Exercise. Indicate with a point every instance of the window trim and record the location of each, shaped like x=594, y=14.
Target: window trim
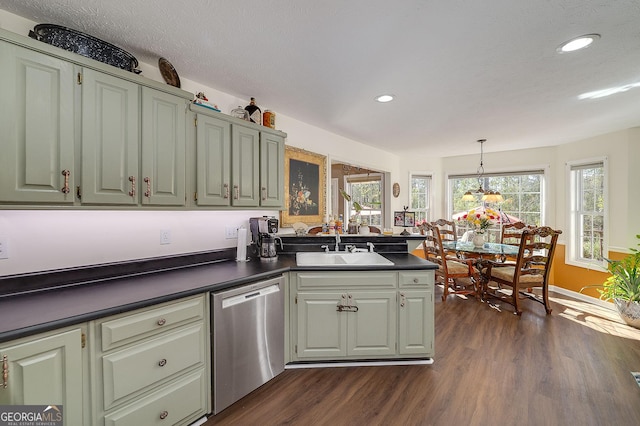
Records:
x=571, y=219
x=362, y=178
x=543, y=169
x=426, y=175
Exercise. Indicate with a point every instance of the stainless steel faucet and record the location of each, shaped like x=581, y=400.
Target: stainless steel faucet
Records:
x=337, y=242
x=371, y=246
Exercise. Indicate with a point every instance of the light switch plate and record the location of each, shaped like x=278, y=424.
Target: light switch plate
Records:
x=165, y=236
x=4, y=248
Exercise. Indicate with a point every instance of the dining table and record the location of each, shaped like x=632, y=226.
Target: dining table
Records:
x=488, y=252
x=491, y=251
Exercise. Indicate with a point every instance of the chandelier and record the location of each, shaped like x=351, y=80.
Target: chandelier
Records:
x=488, y=195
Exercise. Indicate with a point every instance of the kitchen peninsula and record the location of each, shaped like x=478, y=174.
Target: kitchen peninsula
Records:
x=102, y=328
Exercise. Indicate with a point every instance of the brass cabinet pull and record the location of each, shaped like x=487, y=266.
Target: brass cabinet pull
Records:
x=226, y=190
x=147, y=180
x=402, y=300
x=162, y=362
x=5, y=371
x=346, y=308
x=132, y=179
x=264, y=193
x=237, y=191
x=65, y=189
x=164, y=415
x=161, y=321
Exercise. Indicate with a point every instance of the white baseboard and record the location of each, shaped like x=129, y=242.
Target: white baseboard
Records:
x=583, y=297
x=427, y=361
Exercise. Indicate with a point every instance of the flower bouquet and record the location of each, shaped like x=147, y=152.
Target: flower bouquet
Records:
x=480, y=220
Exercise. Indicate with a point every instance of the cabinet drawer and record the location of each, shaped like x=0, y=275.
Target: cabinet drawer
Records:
x=332, y=280
x=415, y=279
x=179, y=402
x=136, y=367
x=133, y=326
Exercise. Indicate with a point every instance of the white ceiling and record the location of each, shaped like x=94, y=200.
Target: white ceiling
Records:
x=461, y=69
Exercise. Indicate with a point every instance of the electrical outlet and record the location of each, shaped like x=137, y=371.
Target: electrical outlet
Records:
x=231, y=232
x=4, y=248
x=165, y=236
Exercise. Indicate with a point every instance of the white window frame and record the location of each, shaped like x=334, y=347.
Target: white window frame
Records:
x=364, y=178
x=574, y=248
x=535, y=168
x=429, y=177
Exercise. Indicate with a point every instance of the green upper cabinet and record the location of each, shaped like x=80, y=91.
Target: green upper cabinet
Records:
x=79, y=133
x=110, y=139
x=37, y=122
x=163, y=148
x=271, y=170
x=245, y=166
x=213, y=161
x=237, y=165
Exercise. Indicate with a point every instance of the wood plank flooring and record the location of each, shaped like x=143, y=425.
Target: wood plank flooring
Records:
x=491, y=368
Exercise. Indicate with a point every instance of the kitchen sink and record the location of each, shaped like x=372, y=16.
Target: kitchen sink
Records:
x=337, y=259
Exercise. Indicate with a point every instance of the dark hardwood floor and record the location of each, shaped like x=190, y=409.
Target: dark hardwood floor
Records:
x=491, y=368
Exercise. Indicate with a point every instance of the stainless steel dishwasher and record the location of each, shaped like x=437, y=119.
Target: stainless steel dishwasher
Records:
x=247, y=339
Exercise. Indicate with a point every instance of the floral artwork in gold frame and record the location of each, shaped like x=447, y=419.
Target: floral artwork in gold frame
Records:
x=305, y=184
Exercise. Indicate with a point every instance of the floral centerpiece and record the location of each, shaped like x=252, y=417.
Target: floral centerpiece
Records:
x=481, y=220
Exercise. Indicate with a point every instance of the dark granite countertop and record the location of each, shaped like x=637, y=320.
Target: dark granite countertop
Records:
x=47, y=309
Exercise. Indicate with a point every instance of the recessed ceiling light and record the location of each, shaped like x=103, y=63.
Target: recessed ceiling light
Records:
x=608, y=92
x=577, y=43
x=385, y=98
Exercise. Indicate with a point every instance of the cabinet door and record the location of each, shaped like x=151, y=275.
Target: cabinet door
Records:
x=245, y=166
x=322, y=330
x=163, y=148
x=110, y=139
x=372, y=329
x=416, y=322
x=271, y=170
x=46, y=371
x=213, y=163
x=36, y=118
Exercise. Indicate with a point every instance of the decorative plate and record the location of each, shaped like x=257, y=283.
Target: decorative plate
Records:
x=396, y=189
x=168, y=72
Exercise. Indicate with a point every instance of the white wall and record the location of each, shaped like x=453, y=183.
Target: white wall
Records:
x=622, y=150
x=44, y=239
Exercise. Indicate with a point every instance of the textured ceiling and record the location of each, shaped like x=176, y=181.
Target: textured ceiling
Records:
x=461, y=69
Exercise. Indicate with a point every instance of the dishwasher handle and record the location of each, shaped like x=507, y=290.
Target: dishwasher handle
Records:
x=249, y=296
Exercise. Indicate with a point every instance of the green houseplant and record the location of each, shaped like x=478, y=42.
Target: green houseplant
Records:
x=623, y=286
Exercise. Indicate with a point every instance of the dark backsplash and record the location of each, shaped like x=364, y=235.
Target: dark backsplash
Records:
x=382, y=243
x=68, y=277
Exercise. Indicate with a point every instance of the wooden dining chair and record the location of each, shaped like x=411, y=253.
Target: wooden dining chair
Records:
x=447, y=229
x=457, y=276
x=512, y=234
x=530, y=271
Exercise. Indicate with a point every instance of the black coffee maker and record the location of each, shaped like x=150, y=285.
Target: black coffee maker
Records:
x=262, y=235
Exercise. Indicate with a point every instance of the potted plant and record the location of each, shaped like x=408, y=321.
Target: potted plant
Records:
x=623, y=286
x=355, y=219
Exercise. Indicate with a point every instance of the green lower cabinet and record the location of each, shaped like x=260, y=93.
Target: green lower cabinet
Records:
x=361, y=315
x=178, y=404
x=151, y=366
x=46, y=369
x=322, y=330
x=371, y=330
x=416, y=322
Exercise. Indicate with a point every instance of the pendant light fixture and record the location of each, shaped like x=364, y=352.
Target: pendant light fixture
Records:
x=488, y=195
